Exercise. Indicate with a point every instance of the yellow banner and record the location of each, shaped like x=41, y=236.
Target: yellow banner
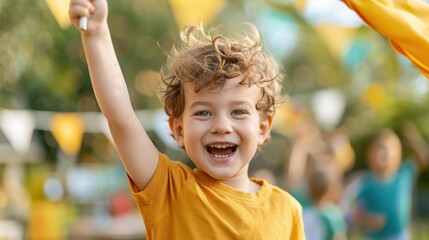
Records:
x=336, y=38
x=374, y=95
x=67, y=129
x=300, y=4
x=196, y=11
x=60, y=10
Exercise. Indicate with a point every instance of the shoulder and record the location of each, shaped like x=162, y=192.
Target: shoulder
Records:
x=281, y=196
x=356, y=179
x=167, y=164
x=408, y=167
x=314, y=225
x=166, y=172
x=409, y=164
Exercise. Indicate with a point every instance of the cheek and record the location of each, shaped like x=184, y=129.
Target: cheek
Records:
x=251, y=132
x=193, y=130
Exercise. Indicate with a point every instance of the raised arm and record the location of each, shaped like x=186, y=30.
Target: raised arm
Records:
x=137, y=152
x=304, y=141
x=417, y=143
x=404, y=22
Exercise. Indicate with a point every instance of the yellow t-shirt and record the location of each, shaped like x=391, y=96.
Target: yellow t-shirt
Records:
x=404, y=22
x=181, y=203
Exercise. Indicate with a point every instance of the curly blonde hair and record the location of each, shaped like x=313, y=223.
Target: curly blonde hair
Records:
x=209, y=60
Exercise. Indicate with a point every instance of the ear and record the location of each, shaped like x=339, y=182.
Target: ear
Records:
x=265, y=128
x=176, y=129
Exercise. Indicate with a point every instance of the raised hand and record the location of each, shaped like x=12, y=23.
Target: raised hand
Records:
x=94, y=10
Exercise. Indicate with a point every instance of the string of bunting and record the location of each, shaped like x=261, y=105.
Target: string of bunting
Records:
x=68, y=128
x=184, y=11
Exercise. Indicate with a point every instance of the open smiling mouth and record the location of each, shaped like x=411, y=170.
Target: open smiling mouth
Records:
x=221, y=150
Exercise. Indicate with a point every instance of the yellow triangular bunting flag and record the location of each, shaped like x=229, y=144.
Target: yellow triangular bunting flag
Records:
x=337, y=38
x=195, y=11
x=60, y=10
x=68, y=129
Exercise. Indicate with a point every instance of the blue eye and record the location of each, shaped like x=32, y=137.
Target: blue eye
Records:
x=203, y=114
x=239, y=112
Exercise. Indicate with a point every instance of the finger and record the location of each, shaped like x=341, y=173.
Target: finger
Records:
x=87, y=3
x=76, y=12
x=84, y=7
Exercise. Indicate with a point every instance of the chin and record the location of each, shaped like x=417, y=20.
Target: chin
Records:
x=220, y=175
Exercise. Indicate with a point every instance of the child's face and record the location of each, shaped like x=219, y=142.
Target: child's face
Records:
x=385, y=156
x=221, y=130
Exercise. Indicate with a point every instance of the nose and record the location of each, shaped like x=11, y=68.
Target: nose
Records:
x=221, y=124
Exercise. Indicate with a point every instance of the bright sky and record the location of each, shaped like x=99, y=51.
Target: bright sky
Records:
x=331, y=11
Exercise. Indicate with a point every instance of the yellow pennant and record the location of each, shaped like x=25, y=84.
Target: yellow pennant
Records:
x=300, y=4
x=60, y=10
x=342, y=149
x=289, y=118
x=68, y=129
x=336, y=38
x=374, y=95
x=196, y=11
x=47, y=220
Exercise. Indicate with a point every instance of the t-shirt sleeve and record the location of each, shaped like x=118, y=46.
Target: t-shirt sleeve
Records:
x=313, y=224
x=334, y=221
x=409, y=168
x=298, y=229
x=163, y=190
x=405, y=23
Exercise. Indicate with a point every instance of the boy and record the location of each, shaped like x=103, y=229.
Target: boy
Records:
x=220, y=95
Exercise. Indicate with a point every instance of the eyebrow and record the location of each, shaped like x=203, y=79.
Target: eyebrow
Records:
x=233, y=103
x=199, y=103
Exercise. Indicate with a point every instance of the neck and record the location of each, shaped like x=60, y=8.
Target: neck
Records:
x=383, y=176
x=242, y=183
x=323, y=202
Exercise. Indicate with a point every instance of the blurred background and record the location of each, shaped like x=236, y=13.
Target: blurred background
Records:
x=60, y=177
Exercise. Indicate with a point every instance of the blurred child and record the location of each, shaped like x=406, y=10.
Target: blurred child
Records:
x=311, y=141
x=220, y=94
x=306, y=139
x=323, y=219
x=384, y=193
x=317, y=163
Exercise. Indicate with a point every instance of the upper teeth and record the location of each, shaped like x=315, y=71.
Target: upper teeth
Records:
x=221, y=145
